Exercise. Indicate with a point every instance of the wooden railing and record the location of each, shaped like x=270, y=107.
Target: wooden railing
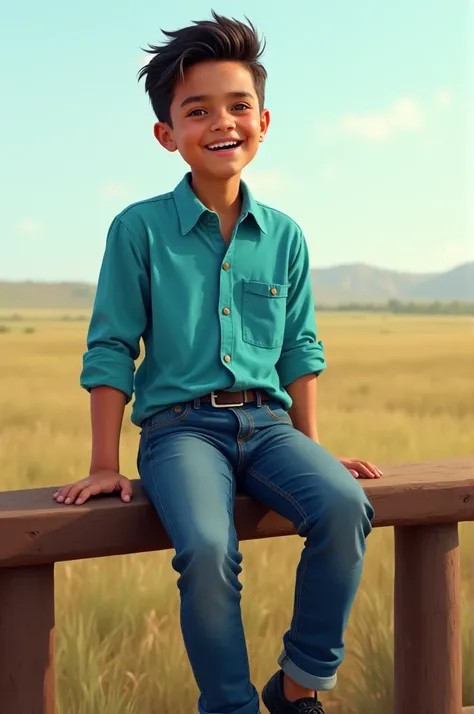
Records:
x=423, y=501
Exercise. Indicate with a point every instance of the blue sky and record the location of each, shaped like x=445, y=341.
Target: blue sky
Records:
x=367, y=147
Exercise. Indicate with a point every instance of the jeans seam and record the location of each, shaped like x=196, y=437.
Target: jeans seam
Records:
x=290, y=499
x=241, y=455
x=296, y=616
x=237, y=415
x=240, y=439
x=252, y=426
x=157, y=490
x=277, y=489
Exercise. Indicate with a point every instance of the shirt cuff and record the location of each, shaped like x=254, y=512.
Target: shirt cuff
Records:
x=103, y=367
x=297, y=362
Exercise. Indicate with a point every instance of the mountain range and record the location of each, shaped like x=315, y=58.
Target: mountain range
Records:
x=364, y=283
x=355, y=283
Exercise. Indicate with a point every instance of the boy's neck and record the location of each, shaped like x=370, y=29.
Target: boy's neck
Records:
x=222, y=197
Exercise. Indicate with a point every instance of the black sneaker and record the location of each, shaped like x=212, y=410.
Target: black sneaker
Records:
x=276, y=702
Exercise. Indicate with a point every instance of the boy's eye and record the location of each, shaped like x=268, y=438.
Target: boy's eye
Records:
x=240, y=107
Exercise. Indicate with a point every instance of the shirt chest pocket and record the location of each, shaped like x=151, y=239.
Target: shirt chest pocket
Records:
x=264, y=314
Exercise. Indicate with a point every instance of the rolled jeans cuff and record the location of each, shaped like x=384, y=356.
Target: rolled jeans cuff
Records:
x=309, y=681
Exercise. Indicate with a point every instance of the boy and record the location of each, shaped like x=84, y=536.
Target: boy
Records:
x=218, y=287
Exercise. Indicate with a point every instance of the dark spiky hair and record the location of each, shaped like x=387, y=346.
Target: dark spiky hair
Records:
x=217, y=39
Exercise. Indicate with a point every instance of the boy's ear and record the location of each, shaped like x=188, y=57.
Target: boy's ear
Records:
x=164, y=135
x=264, y=123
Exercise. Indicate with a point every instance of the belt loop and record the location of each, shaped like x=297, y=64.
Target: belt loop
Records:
x=259, y=398
x=197, y=403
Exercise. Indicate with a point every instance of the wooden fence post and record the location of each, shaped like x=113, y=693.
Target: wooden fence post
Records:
x=27, y=640
x=428, y=668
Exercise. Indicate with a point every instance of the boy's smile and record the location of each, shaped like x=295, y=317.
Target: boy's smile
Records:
x=226, y=147
x=217, y=123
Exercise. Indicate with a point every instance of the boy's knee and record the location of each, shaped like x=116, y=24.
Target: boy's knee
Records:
x=209, y=567
x=208, y=558
x=346, y=509
x=342, y=525
x=354, y=503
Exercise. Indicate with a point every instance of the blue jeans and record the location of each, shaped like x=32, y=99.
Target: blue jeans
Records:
x=192, y=459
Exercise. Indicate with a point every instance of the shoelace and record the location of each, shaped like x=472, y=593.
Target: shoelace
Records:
x=310, y=706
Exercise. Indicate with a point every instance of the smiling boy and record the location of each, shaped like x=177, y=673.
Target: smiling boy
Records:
x=217, y=285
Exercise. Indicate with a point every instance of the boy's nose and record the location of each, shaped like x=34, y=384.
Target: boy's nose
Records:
x=223, y=122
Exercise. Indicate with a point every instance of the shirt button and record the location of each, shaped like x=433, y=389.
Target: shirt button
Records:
x=274, y=291
x=227, y=358
x=226, y=311
x=226, y=266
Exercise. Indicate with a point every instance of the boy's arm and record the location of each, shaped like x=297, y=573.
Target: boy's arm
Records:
x=118, y=321
x=302, y=358
x=302, y=355
x=303, y=415
x=107, y=409
x=303, y=412
x=120, y=313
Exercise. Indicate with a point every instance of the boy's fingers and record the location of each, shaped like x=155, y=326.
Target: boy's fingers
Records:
x=81, y=491
x=126, y=489
x=364, y=471
x=361, y=469
x=61, y=493
x=92, y=489
x=376, y=473
x=83, y=495
x=74, y=492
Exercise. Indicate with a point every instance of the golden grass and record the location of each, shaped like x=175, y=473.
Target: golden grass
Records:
x=397, y=389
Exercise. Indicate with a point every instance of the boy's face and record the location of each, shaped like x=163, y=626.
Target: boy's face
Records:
x=215, y=103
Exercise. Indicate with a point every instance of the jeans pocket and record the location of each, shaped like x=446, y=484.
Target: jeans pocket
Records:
x=264, y=314
x=278, y=414
x=168, y=416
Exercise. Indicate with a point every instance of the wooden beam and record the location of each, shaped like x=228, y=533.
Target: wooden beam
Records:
x=428, y=671
x=35, y=530
x=27, y=640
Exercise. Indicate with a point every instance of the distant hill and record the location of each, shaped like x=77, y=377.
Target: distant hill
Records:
x=340, y=284
x=44, y=296
x=364, y=283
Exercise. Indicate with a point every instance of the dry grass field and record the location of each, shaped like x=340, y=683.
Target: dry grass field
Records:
x=396, y=389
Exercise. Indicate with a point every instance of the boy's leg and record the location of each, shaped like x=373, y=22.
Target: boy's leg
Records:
x=298, y=479
x=192, y=487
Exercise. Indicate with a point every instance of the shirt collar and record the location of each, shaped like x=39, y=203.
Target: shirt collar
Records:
x=190, y=208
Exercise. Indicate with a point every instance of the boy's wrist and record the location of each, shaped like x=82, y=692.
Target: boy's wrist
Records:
x=104, y=465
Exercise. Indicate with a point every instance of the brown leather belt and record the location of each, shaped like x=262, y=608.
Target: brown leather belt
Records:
x=235, y=399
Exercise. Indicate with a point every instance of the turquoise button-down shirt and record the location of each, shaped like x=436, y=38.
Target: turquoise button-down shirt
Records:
x=211, y=315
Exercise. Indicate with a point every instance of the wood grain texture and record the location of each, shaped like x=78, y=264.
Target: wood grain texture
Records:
x=35, y=530
x=428, y=668
x=27, y=640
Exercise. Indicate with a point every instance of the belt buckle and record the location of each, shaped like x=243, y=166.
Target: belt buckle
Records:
x=225, y=406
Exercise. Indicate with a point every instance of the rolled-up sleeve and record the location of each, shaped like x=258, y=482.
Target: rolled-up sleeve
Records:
x=119, y=316
x=302, y=353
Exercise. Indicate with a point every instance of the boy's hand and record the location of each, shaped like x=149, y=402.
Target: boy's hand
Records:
x=361, y=469
x=97, y=482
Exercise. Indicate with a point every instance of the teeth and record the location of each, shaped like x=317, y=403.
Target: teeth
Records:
x=224, y=145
